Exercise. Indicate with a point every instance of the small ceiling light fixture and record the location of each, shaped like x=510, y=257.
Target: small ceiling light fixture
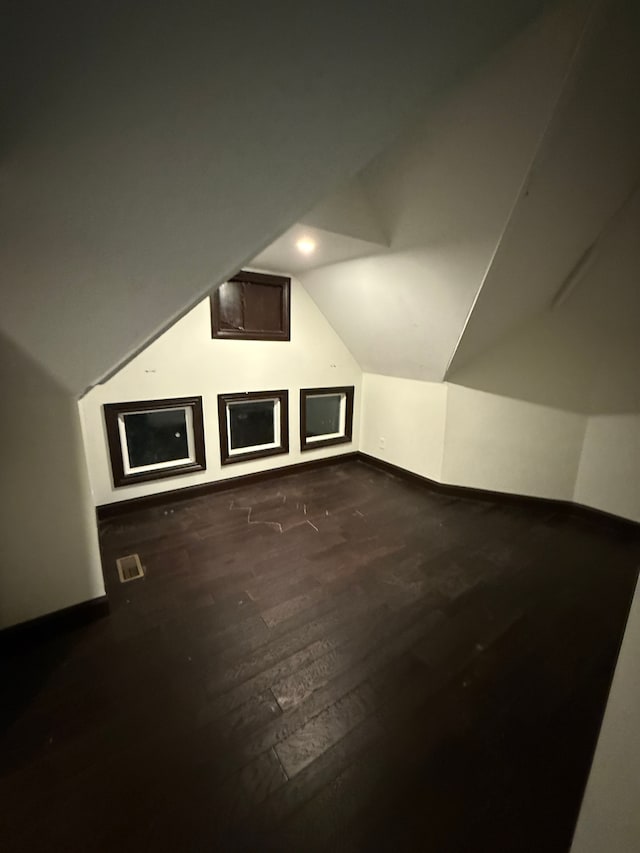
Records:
x=306, y=245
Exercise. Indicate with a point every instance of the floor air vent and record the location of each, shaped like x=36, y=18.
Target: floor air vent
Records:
x=129, y=568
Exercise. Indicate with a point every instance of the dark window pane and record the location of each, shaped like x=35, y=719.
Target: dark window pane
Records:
x=251, y=423
x=154, y=437
x=323, y=415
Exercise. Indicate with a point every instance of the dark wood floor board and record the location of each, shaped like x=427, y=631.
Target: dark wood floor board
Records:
x=298, y=669
x=295, y=687
x=207, y=640
x=218, y=536
x=63, y=774
x=255, y=712
x=370, y=674
x=337, y=659
x=222, y=703
x=231, y=581
x=352, y=598
x=333, y=630
x=375, y=644
x=268, y=594
x=154, y=541
x=321, y=823
x=286, y=610
x=416, y=765
x=325, y=729
x=312, y=778
x=211, y=560
x=215, y=804
x=311, y=667
x=283, y=556
x=348, y=559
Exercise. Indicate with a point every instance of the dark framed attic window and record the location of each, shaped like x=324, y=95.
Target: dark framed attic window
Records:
x=326, y=416
x=252, y=307
x=152, y=439
x=252, y=425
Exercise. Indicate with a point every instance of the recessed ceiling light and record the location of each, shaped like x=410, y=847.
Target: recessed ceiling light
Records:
x=306, y=245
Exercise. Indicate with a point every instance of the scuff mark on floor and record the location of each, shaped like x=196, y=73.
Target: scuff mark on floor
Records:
x=275, y=525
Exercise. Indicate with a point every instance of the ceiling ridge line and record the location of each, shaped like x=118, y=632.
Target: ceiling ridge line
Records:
x=578, y=270
x=589, y=28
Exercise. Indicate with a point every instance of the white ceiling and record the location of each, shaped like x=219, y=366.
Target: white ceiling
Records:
x=343, y=226
x=330, y=248
x=584, y=353
x=151, y=151
x=482, y=211
x=349, y=211
x=444, y=193
x=588, y=164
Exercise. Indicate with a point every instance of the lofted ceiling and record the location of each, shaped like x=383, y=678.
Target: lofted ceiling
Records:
x=583, y=354
x=342, y=226
x=443, y=194
x=150, y=150
x=509, y=215
x=577, y=188
x=330, y=247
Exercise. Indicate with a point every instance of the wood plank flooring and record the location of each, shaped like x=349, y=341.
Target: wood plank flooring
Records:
x=334, y=660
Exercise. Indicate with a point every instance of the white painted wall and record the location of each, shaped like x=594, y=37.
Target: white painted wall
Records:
x=583, y=356
x=609, y=475
x=403, y=422
x=185, y=361
x=467, y=437
x=49, y=557
x=609, y=817
x=508, y=445
x=444, y=193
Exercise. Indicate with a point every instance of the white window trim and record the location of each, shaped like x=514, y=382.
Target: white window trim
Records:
x=157, y=466
x=238, y=451
x=343, y=418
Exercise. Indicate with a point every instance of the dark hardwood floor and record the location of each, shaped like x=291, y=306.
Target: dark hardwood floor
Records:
x=334, y=660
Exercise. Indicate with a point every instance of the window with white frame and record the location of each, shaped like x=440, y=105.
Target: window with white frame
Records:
x=150, y=439
x=326, y=416
x=253, y=424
